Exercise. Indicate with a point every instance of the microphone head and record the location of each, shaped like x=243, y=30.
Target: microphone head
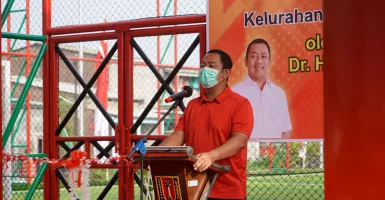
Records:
x=188, y=90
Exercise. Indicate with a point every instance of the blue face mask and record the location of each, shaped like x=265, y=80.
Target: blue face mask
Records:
x=208, y=77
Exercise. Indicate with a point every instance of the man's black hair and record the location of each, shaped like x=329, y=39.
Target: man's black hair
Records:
x=226, y=61
x=258, y=41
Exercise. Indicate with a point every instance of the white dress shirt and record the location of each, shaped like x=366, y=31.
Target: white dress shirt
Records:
x=270, y=109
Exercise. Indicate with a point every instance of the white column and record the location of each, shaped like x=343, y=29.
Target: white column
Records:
x=80, y=110
x=6, y=115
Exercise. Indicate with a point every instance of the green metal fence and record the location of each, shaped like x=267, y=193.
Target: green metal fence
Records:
x=20, y=178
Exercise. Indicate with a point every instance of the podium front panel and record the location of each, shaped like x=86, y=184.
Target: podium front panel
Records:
x=173, y=175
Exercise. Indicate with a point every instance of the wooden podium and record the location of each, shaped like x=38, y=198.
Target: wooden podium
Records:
x=173, y=175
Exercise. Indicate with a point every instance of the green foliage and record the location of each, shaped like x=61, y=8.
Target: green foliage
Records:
x=23, y=186
x=64, y=107
x=101, y=177
x=262, y=163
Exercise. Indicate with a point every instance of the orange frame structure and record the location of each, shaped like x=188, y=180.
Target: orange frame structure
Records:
x=123, y=32
x=358, y=123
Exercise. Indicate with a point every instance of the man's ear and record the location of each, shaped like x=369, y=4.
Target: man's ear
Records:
x=245, y=62
x=227, y=72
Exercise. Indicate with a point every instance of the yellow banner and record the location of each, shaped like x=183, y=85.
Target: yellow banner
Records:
x=287, y=51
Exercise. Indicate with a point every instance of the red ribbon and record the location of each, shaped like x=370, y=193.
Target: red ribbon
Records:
x=79, y=178
x=6, y=157
x=22, y=157
x=73, y=161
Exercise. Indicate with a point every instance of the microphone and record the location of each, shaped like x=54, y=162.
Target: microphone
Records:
x=186, y=92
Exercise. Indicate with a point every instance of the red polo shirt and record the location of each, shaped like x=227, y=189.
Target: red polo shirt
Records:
x=209, y=124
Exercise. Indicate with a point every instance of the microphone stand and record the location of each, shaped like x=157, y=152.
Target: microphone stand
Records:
x=141, y=148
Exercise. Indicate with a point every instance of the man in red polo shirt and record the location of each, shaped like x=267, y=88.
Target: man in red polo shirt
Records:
x=217, y=125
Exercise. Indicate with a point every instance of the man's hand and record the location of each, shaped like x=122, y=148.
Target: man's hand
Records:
x=237, y=142
x=204, y=161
